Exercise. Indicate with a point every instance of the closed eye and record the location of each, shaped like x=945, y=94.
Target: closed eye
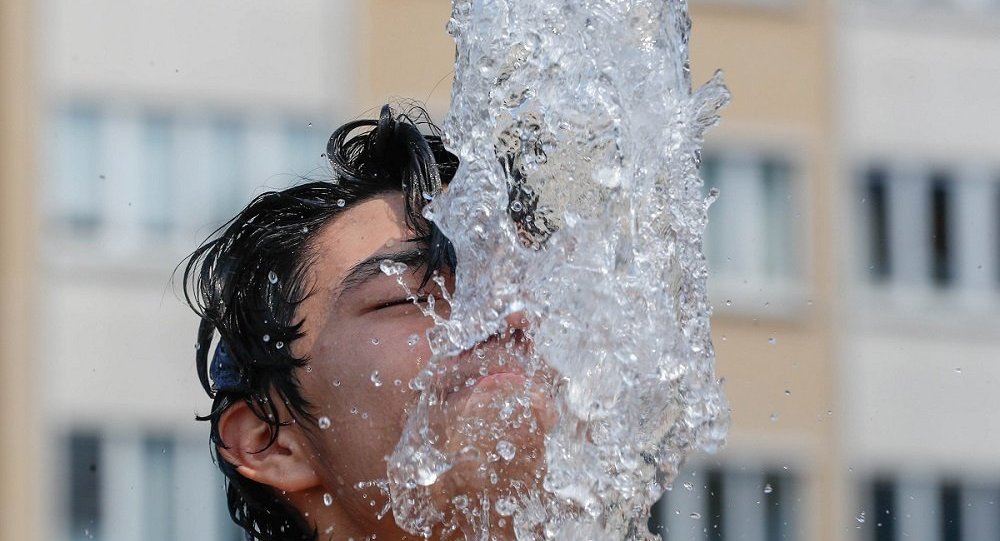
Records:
x=403, y=302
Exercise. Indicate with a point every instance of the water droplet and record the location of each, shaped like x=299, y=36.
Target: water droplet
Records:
x=958, y=370
x=772, y=340
x=695, y=516
x=279, y=344
x=266, y=338
x=506, y=449
x=860, y=518
x=197, y=346
x=374, y=340
x=376, y=379
x=413, y=340
x=341, y=202
x=324, y=422
x=516, y=206
x=354, y=410
x=774, y=417
x=768, y=488
x=336, y=383
x=327, y=499
x=309, y=125
x=461, y=501
x=689, y=485
x=272, y=277
x=729, y=302
x=788, y=393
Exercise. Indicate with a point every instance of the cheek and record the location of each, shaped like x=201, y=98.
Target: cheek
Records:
x=365, y=372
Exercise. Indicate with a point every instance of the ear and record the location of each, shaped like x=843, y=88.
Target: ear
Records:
x=283, y=465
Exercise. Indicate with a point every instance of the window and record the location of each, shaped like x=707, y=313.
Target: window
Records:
x=306, y=144
x=941, y=216
x=930, y=228
x=158, y=178
x=228, y=174
x=78, y=188
x=723, y=504
x=944, y=509
x=159, y=487
x=750, y=235
x=878, y=229
x=84, y=487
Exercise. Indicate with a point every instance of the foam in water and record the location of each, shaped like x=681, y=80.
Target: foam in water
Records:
x=575, y=371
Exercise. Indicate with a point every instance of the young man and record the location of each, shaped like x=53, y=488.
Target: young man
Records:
x=316, y=345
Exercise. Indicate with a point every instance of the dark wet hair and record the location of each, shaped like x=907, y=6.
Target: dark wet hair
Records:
x=247, y=279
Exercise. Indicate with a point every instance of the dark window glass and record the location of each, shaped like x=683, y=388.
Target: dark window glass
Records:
x=85, y=486
x=877, y=214
x=160, y=488
x=951, y=512
x=884, y=510
x=941, y=246
x=714, y=488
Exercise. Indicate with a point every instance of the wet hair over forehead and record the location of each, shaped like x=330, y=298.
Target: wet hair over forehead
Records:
x=247, y=280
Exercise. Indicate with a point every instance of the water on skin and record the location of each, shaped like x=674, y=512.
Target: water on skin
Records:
x=577, y=203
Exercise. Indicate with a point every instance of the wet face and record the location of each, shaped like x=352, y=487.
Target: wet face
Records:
x=365, y=341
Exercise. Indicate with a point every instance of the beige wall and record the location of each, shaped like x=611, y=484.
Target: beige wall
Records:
x=19, y=488
x=778, y=64
x=408, y=54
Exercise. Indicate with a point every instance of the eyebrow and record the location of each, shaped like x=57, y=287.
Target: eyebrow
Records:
x=372, y=267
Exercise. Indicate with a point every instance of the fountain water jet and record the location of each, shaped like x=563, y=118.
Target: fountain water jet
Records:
x=578, y=212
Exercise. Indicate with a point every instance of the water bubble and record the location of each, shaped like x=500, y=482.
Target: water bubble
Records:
x=768, y=488
x=688, y=485
x=461, y=501
x=774, y=417
x=376, y=379
x=860, y=518
x=392, y=268
x=341, y=202
x=279, y=344
x=516, y=206
x=505, y=507
x=272, y=277
x=327, y=499
x=336, y=383
x=695, y=515
x=374, y=340
x=266, y=338
x=413, y=340
x=958, y=370
x=506, y=449
x=772, y=340
x=324, y=422
x=354, y=410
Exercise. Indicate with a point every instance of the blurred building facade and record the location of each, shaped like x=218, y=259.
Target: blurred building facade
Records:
x=921, y=196
x=160, y=121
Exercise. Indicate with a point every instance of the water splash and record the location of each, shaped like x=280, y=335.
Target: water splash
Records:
x=576, y=370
